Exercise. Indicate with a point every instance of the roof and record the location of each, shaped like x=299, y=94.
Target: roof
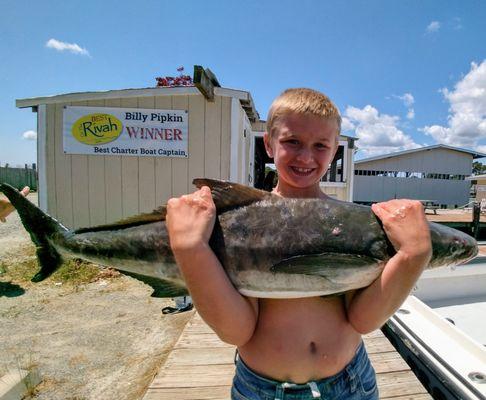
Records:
x=475, y=177
x=475, y=154
x=244, y=97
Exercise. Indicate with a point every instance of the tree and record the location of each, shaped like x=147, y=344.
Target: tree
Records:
x=478, y=168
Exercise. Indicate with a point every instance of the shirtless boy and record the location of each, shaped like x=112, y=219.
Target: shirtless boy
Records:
x=309, y=347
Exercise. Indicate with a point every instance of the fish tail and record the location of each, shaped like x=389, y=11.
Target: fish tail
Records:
x=41, y=228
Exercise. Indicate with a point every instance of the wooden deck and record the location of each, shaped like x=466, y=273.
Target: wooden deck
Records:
x=201, y=367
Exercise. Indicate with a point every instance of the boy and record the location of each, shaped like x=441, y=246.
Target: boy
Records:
x=308, y=347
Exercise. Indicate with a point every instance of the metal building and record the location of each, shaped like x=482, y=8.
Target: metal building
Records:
x=436, y=174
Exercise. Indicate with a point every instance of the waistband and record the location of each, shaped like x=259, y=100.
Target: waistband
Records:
x=333, y=384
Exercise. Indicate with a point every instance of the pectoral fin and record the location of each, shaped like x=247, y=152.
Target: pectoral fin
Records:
x=325, y=264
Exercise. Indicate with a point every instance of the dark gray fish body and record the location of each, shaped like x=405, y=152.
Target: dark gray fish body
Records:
x=269, y=246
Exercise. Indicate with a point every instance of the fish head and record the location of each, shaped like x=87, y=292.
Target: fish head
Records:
x=451, y=246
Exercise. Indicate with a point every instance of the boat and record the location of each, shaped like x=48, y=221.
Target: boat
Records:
x=440, y=330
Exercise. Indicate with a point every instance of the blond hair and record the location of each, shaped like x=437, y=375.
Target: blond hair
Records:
x=302, y=101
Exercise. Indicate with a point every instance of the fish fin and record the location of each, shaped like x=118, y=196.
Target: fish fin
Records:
x=161, y=287
x=41, y=228
x=229, y=195
x=157, y=215
x=322, y=264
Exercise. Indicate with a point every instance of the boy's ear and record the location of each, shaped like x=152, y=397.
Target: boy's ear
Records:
x=268, y=145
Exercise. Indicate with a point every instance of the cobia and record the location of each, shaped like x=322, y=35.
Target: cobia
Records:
x=269, y=246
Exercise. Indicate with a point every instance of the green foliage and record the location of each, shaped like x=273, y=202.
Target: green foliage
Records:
x=478, y=168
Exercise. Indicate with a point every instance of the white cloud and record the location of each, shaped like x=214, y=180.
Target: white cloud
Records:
x=347, y=125
x=378, y=133
x=30, y=135
x=63, y=46
x=434, y=26
x=466, y=123
x=408, y=101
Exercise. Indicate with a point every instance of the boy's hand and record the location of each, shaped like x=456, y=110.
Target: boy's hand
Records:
x=190, y=219
x=6, y=208
x=407, y=229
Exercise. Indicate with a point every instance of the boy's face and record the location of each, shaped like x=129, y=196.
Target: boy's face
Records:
x=302, y=147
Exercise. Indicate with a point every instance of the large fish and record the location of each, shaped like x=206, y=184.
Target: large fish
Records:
x=270, y=246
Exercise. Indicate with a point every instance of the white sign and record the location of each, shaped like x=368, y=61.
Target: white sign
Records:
x=125, y=131
x=480, y=188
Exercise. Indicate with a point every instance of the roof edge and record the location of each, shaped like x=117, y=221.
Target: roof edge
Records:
x=121, y=93
x=475, y=154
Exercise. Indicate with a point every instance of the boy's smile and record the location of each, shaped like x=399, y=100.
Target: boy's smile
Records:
x=302, y=146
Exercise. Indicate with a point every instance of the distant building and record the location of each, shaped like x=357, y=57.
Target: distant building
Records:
x=479, y=187
x=435, y=173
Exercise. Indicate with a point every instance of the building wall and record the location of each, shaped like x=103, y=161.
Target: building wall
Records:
x=481, y=189
x=87, y=190
x=434, y=161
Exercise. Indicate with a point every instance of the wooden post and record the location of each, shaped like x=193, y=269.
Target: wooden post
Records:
x=475, y=221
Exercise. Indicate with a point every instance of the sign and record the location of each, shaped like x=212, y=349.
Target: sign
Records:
x=125, y=131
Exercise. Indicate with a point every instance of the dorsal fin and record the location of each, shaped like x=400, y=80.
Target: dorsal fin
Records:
x=157, y=215
x=228, y=195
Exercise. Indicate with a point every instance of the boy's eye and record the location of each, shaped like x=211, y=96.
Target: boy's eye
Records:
x=292, y=141
x=321, y=146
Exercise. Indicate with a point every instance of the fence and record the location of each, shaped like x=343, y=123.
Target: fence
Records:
x=19, y=177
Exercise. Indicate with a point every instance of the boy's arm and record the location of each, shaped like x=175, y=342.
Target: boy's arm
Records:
x=190, y=221
x=405, y=224
x=6, y=207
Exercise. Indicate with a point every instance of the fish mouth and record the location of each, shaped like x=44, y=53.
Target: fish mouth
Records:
x=301, y=171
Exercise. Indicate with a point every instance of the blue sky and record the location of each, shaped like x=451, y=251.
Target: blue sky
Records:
x=404, y=74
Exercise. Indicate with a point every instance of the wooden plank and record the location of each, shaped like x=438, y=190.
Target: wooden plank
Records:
x=212, y=148
x=388, y=361
x=203, y=356
x=400, y=383
x=80, y=181
x=180, y=184
x=201, y=393
x=146, y=167
x=50, y=162
x=129, y=172
x=113, y=179
x=225, y=137
x=201, y=376
x=197, y=106
x=97, y=187
x=163, y=165
x=378, y=345
x=64, y=194
x=200, y=340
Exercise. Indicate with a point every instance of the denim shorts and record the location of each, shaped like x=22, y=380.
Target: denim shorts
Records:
x=356, y=381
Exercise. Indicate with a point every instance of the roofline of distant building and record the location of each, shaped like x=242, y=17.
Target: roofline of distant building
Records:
x=474, y=177
x=475, y=154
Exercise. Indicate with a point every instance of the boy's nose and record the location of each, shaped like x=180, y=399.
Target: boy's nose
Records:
x=305, y=155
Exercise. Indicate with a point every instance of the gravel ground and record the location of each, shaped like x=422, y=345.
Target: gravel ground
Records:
x=102, y=340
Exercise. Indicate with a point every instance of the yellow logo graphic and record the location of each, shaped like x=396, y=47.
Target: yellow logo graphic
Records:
x=94, y=129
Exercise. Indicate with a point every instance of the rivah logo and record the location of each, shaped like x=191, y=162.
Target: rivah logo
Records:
x=95, y=129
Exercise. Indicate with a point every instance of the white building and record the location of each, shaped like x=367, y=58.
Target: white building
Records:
x=435, y=173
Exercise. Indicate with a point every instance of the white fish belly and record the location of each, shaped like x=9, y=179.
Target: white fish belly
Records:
x=287, y=286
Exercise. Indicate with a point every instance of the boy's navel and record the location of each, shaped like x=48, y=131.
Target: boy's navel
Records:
x=313, y=348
